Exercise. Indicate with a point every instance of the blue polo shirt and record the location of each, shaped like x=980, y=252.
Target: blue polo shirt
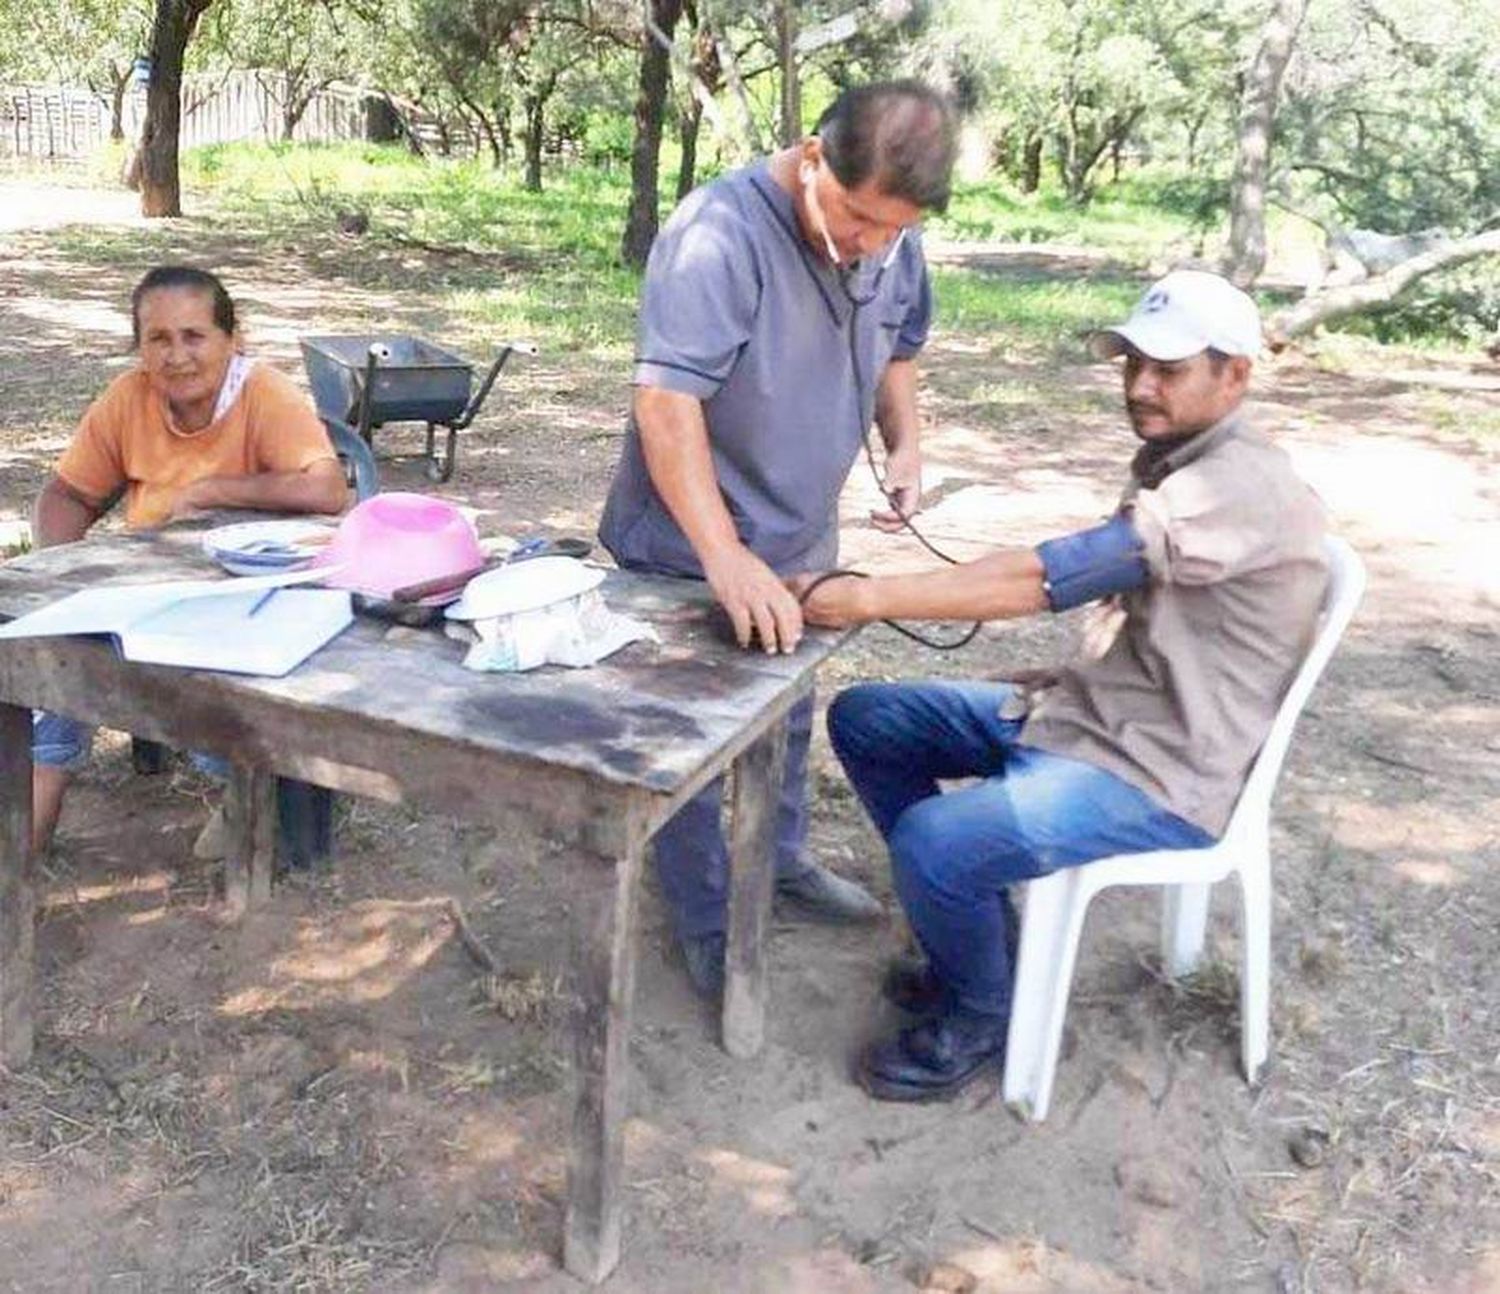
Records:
x=739, y=312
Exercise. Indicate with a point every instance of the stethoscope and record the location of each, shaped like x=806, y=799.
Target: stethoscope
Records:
x=846, y=274
x=857, y=302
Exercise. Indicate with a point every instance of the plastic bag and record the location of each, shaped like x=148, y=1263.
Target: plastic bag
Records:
x=577, y=632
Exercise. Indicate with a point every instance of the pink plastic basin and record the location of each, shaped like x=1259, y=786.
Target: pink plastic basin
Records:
x=394, y=540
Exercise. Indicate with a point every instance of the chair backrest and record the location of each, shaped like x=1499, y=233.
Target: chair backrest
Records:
x=350, y=446
x=1346, y=585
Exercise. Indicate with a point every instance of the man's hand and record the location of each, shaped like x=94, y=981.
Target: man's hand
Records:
x=755, y=599
x=902, y=485
x=835, y=604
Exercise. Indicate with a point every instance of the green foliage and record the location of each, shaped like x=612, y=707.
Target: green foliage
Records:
x=1082, y=78
x=541, y=265
x=1392, y=113
x=1133, y=220
x=1461, y=305
x=82, y=42
x=607, y=137
x=1045, y=313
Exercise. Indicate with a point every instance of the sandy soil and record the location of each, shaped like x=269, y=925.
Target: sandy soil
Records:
x=332, y=1097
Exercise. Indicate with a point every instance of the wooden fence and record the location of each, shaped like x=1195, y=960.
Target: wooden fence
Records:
x=65, y=123
x=51, y=122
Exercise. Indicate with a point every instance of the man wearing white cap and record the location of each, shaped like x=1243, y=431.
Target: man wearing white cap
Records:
x=1209, y=577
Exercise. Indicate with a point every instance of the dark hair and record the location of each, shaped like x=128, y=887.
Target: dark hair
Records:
x=182, y=277
x=901, y=134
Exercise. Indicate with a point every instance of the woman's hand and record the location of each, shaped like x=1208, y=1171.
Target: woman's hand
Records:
x=192, y=501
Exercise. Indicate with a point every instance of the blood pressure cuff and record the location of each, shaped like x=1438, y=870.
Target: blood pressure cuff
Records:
x=1093, y=563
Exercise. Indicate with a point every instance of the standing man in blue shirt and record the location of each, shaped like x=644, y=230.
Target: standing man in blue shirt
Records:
x=783, y=309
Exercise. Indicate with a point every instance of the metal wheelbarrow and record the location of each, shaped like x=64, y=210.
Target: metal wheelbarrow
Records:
x=368, y=381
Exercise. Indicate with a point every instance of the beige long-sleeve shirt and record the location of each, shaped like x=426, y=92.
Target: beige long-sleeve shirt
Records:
x=1180, y=680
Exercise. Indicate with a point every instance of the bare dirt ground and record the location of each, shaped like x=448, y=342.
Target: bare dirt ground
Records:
x=331, y=1096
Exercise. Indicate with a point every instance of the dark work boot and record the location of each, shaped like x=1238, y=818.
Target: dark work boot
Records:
x=935, y=1060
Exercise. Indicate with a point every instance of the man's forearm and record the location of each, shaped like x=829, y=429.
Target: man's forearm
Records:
x=999, y=586
x=674, y=440
x=896, y=406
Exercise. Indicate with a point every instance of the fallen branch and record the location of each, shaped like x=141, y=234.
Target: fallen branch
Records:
x=470, y=940
x=1338, y=303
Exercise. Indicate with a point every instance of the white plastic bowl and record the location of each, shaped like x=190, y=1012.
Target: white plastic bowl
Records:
x=525, y=586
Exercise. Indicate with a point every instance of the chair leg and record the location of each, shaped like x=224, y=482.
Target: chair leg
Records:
x=1184, y=926
x=1050, y=927
x=1255, y=968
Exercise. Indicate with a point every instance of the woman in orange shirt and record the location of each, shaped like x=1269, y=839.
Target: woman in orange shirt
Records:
x=194, y=426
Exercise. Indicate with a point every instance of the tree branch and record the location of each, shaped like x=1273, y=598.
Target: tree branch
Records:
x=1339, y=303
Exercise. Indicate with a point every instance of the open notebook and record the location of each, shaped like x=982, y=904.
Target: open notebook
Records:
x=246, y=626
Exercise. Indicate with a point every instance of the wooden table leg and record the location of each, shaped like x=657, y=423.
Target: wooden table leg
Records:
x=250, y=828
x=17, y=902
x=757, y=791
x=604, y=927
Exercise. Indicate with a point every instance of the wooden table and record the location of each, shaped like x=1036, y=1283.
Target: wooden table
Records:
x=594, y=761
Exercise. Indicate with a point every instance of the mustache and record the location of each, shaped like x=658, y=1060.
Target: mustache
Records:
x=1135, y=407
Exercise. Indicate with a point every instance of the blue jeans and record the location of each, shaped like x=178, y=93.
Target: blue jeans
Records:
x=60, y=742
x=692, y=860
x=954, y=853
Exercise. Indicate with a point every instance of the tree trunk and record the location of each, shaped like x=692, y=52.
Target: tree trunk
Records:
x=1031, y=162
x=1338, y=303
x=688, y=126
x=119, y=84
x=645, y=155
x=535, y=121
x=161, y=193
x=502, y=130
x=487, y=129
x=1194, y=129
x=749, y=131
x=786, y=58
x=1068, y=156
x=297, y=98
x=1247, y=193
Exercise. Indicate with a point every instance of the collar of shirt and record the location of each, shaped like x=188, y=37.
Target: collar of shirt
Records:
x=1156, y=460
x=856, y=285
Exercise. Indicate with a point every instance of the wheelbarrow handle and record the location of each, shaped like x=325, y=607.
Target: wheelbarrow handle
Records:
x=373, y=356
x=469, y=414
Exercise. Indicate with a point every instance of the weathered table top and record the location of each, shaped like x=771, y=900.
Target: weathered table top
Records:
x=393, y=713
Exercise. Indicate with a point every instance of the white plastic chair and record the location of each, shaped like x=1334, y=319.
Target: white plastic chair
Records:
x=1055, y=905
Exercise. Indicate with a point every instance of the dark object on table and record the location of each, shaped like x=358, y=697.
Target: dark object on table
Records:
x=414, y=615
x=540, y=546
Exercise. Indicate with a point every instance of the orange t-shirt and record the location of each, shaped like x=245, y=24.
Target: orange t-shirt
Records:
x=125, y=440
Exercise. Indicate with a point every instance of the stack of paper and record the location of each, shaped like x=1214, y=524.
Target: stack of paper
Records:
x=247, y=626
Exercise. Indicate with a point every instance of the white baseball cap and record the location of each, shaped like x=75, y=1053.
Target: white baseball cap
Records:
x=1184, y=314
